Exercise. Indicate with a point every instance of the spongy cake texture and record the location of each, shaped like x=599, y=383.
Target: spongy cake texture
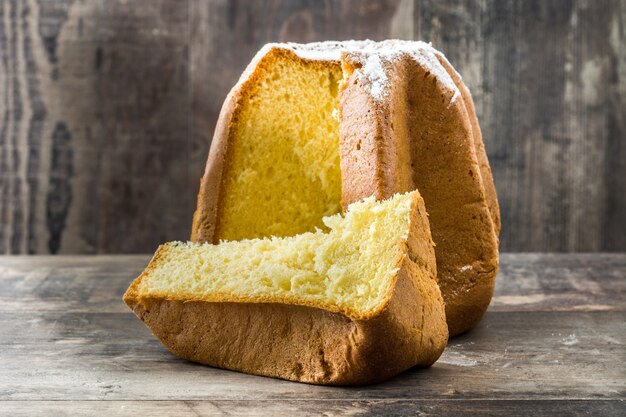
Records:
x=354, y=304
x=348, y=269
x=288, y=119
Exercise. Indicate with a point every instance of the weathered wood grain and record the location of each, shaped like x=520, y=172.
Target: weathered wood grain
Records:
x=533, y=282
x=94, y=128
x=94, y=356
x=553, y=344
x=74, y=284
x=548, y=81
x=605, y=408
x=107, y=109
x=550, y=282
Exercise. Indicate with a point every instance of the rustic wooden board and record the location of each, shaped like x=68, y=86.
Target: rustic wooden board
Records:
x=107, y=109
x=94, y=125
x=552, y=343
x=315, y=408
x=95, y=356
x=533, y=282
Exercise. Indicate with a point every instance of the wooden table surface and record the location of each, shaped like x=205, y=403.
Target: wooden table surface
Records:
x=552, y=343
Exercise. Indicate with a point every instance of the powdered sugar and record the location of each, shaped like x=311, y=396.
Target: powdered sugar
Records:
x=374, y=59
x=374, y=74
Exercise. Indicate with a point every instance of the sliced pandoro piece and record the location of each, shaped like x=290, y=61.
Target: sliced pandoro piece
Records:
x=354, y=304
x=291, y=147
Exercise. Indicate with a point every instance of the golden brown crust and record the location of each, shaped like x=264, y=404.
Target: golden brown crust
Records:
x=436, y=131
x=445, y=170
x=205, y=216
x=307, y=344
x=373, y=149
x=479, y=146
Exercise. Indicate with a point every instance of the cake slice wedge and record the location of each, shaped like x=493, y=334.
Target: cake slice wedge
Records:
x=356, y=304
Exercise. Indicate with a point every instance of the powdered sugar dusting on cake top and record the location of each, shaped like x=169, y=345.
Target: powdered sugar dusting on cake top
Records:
x=374, y=58
x=376, y=77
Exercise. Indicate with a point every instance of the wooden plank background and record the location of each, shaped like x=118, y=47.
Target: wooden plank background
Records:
x=107, y=109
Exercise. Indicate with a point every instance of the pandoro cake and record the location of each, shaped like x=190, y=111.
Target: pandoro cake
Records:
x=311, y=128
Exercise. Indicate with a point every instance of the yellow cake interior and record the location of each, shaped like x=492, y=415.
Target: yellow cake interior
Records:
x=347, y=268
x=283, y=174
